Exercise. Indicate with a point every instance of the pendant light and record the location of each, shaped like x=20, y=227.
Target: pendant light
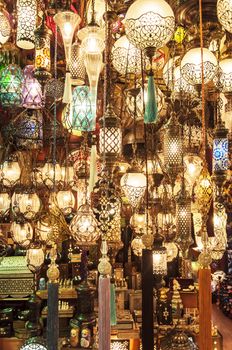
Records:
x=22, y=233
x=26, y=25
x=159, y=256
x=25, y=203
x=35, y=256
x=5, y=26
x=224, y=14
x=11, y=79
x=77, y=65
x=10, y=173
x=31, y=90
x=220, y=153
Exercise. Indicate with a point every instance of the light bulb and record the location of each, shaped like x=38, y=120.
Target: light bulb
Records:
x=67, y=30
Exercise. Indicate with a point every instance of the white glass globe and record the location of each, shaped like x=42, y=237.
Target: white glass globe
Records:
x=10, y=173
x=225, y=67
x=133, y=184
x=191, y=66
x=35, y=257
x=66, y=201
x=5, y=27
x=224, y=13
x=27, y=204
x=22, y=234
x=149, y=23
x=48, y=173
x=126, y=58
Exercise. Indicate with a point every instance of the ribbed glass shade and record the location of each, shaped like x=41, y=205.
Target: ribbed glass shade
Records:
x=191, y=66
x=10, y=173
x=149, y=23
x=27, y=204
x=27, y=15
x=126, y=58
x=5, y=27
x=11, y=79
x=133, y=185
x=77, y=65
x=66, y=201
x=224, y=13
x=22, y=234
x=31, y=90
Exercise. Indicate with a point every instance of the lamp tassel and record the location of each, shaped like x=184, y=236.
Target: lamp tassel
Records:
x=151, y=110
x=67, y=96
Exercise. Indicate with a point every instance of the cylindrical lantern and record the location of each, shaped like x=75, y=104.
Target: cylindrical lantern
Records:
x=5, y=27
x=31, y=90
x=126, y=58
x=22, y=234
x=27, y=15
x=10, y=173
x=51, y=173
x=133, y=183
x=26, y=204
x=159, y=257
x=11, y=79
x=191, y=66
x=66, y=201
x=5, y=201
x=77, y=65
x=149, y=23
x=42, y=52
x=110, y=135
x=220, y=153
x=35, y=256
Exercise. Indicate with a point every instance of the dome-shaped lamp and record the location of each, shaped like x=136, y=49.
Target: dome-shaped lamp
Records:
x=11, y=79
x=35, y=343
x=26, y=25
x=22, y=234
x=224, y=13
x=31, y=90
x=191, y=66
x=177, y=340
x=26, y=203
x=10, y=173
x=5, y=27
x=149, y=23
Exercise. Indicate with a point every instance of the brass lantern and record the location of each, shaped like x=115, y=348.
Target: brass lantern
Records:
x=159, y=257
x=22, y=233
x=26, y=203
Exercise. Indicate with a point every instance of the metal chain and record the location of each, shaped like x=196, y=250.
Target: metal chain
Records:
x=202, y=84
x=55, y=113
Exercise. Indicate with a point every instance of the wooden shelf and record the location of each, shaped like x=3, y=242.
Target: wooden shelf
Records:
x=63, y=294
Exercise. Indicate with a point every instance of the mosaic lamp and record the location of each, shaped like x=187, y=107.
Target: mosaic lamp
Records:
x=82, y=116
x=220, y=153
x=31, y=90
x=26, y=15
x=11, y=79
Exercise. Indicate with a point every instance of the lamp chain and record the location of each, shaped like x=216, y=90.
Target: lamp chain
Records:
x=202, y=84
x=55, y=113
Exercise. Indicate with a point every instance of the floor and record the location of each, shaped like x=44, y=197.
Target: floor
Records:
x=224, y=325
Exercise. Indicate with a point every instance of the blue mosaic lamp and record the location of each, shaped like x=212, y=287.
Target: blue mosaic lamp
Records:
x=11, y=79
x=220, y=153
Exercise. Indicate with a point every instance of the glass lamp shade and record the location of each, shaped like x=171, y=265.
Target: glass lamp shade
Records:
x=191, y=66
x=27, y=15
x=11, y=79
x=35, y=343
x=92, y=39
x=48, y=175
x=66, y=201
x=225, y=74
x=22, y=234
x=42, y=52
x=137, y=246
x=193, y=166
x=224, y=13
x=44, y=230
x=204, y=191
x=5, y=202
x=220, y=149
x=35, y=257
x=172, y=250
x=126, y=58
x=160, y=261
x=84, y=226
x=133, y=185
x=67, y=22
x=149, y=23
x=183, y=221
x=110, y=134
x=10, y=173
x=99, y=10
x=5, y=27
x=67, y=175
x=138, y=222
x=77, y=65
x=27, y=204
x=31, y=90
x=82, y=111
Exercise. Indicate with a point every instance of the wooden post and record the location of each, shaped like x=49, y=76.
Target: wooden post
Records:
x=205, y=309
x=147, y=300
x=53, y=316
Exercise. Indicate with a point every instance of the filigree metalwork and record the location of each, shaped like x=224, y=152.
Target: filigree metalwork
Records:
x=27, y=14
x=192, y=72
x=224, y=13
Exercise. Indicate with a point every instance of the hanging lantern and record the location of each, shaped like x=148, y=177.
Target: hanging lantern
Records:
x=137, y=246
x=138, y=222
x=5, y=202
x=177, y=339
x=133, y=184
x=82, y=110
x=193, y=166
x=26, y=25
x=183, y=221
x=149, y=23
x=10, y=173
x=44, y=230
x=172, y=250
x=51, y=173
x=204, y=191
x=42, y=52
x=224, y=13
x=191, y=66
x=99, y=10
x=11, y=79
x=31, y=90
x=5, y=27
x=35, y=256
x=84, y=226
x=22, y=234
x=225, y=76
x=220, y=153
x=66, y=201
x=110, y=135
x=26, y=203
x=159, y=257
x=67, y=175
x=126, y=58
x=218, y=243
x=35, y=343
x=173, y=148
x=54, y=89
x=77, y=65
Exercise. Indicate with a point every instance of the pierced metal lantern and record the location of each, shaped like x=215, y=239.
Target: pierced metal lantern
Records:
x=224, y=13
x=54, y=89
x=177, y=339
x=133, y=184
x=77, y=65
x=66, y=201
x=220, y=153
x=31, y=90
x=191, y=66
x=22, y=234
x=110, y=135
x=27, y=15
x=159, y=257
x=26, y=203
x=10, y=173
x=149, y=23
x=173, y=148
x=42, y=52
x=35, y=256
x=11, y=79
x=84, y=226
x=5, y=27
x=35, y=343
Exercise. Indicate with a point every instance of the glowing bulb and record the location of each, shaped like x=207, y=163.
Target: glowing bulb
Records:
x=156, y=258
x=67, y=30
